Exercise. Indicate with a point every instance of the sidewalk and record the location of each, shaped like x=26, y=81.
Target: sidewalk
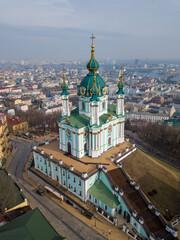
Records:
x=9, y=158
x=98, y=223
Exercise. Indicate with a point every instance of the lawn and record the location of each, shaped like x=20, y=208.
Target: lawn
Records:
x=153, y=174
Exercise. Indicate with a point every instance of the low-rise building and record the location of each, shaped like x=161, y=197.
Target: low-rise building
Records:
x=16, y=124
x=149, y=117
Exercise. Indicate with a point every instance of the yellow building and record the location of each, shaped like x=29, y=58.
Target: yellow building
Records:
x=4, y=139
x=12, y=102
x=16, y=124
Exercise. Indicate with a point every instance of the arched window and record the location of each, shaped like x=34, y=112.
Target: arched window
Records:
x=109, y=141
x=103, y=105
x=85, y=147
x=83, y=105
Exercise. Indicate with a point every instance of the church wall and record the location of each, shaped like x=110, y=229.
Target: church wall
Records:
x=66, y=178
x=92, y=180
x=105, y=181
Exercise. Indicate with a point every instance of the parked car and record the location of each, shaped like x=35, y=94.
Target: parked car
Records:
x=40, y=192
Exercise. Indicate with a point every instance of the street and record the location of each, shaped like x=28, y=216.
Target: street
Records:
x=63, y=221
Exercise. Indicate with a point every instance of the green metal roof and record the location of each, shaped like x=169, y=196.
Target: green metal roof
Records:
x=30, y=226
x=80, y=120
x=101, y=192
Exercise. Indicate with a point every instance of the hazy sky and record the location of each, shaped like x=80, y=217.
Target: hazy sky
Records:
x=60, y=29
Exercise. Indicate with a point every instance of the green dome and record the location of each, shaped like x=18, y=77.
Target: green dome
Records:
x=64, y=85
x=87, y=83
x=93, y=64
x=121, y=84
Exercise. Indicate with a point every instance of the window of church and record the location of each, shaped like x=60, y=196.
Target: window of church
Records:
x=64, y=183
x=57, y=178
x=95, y=200
x=63, y=173
x=41, y=168
x=83, y=105
x=109, y=141
x=56, y=168
x=105, y=207
x=68, y=176
x=69, y=186
x=85, y=147
x=37, y=165
x=75, y=189
x=50, y=173
x=80, y=194
x=79, y=182
x=103, y=105
x=89, y=196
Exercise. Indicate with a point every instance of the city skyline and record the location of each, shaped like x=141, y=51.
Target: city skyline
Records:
x=60, y=29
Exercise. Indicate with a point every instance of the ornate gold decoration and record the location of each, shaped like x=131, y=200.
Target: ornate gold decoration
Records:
x=67, y=121
x=82, y=91
x=85, y=133
x=110, y=128
x=104, y=90
x=68, y=132
x=110, y=118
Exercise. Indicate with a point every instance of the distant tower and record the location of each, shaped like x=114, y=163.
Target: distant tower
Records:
x=120, y=96
x=94, y=118
x=65, y=96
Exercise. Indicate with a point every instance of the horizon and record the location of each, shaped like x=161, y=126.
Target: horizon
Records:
x=61, y=29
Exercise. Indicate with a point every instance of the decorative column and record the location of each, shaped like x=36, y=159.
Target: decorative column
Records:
x=120, y=96
x=65, y=97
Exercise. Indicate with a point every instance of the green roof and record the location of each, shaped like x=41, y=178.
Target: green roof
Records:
x=30, y=226
x=101, y=192
x=80, y=120
x=11, y=196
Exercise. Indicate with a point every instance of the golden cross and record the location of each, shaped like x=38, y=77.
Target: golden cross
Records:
x=93, y=37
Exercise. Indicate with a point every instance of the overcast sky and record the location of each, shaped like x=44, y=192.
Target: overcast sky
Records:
x=60, y=29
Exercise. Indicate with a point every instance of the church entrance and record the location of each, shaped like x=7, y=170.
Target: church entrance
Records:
x=69, y=147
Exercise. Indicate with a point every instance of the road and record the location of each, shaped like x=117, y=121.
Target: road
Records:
x=63, y=221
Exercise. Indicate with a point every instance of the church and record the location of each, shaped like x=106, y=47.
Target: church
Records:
x=84, y=164
x=95, y=126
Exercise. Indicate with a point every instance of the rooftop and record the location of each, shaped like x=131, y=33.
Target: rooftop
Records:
x=11, y=121
x=80, y=120
x=11, y=196
x=86, y=163
x=101, y=192
x=32, y=226
x=137, y=203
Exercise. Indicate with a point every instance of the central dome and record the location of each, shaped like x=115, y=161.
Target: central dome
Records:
x=87, y=83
